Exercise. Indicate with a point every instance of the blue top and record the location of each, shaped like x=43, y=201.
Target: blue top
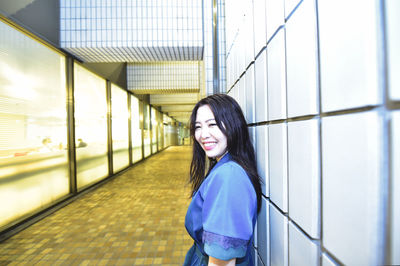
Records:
x=222, y=215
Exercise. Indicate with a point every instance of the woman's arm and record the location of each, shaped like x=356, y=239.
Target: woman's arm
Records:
x=213, y=261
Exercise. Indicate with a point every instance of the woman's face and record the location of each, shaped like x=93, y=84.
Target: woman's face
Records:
x=208, y=134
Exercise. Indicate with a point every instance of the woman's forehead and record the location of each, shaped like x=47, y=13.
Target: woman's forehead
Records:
x=204, y=113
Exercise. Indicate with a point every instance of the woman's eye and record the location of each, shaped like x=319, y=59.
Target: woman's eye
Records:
x=196, y=127
x=212, y=125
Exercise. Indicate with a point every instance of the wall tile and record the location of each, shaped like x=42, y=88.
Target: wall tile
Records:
x=277, y=143
x=328, y=261
x=260, y=25
x=250, y=106
x=289, y=6
x=262, y=157
x=249, y=32
x=263, y=236
x=351, y=187
x=279, y=237
x=395, y=189
x=275, y=16
x=260, y=76
x=302, y=250
x=276, y=77
x=393, y=43
x=242, y=95
x=301, y=60
x=304, y=175
x=349, y=60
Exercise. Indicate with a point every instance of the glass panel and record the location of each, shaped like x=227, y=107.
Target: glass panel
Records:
x=33, y=132
x=136, y=131
x=146, y=130
x=119, y=125
x=90, y=127
x=154, y=129
x=160, y=131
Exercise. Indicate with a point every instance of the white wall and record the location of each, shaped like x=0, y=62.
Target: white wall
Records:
x=321, y=93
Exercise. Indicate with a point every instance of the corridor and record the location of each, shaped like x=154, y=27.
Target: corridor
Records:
x=137, y=218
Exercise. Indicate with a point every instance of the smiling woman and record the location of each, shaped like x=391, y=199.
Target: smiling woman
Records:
x=221, y=223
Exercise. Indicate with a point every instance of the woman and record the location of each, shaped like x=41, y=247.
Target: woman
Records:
x=225, y=202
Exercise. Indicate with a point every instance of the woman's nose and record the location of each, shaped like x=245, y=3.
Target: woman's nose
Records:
x=205, y=133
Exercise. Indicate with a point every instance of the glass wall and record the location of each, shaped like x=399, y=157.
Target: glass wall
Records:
x=120, y=130
x=160, y=136
x=90, y=127
x=154, y=129
x=146, y=129
x=33, y=133
x=136, y=130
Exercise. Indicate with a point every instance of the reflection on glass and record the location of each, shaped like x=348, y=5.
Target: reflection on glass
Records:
x=90, y=126
x=136, y=131
x=33, y=133
x=154, y=130
x=146, y=130
x=119, y=125
x=160, y=132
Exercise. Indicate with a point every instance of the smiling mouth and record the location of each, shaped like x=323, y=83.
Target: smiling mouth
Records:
x=209, y=145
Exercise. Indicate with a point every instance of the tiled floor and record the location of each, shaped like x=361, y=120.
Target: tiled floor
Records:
x=135, y=219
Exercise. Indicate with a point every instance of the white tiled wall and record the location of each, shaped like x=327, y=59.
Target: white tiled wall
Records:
x=349, y=54
x=304, y=175
x=275, y=16
x=393, y=43
x=328, y=261
x=325, y=133
x=302, y=250
x=262, y=157
x=395, y=187
x=276, y=81
x=279, y=237
x=263, y=233
x=351, y=186
x=250, y=106
x=277, y=155
x=301, y=61
x=260, y=76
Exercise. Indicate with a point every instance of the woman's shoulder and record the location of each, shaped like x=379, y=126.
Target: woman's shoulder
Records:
x=228, y=172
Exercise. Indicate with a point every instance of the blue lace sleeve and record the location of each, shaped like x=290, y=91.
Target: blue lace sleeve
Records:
x=224, y=247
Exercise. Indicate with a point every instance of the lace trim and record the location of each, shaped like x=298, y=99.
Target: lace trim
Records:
x=224, y=241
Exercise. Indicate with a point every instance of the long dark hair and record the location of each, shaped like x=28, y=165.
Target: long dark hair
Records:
x=227, y=112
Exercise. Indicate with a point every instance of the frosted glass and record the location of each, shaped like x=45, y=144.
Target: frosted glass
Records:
x=136, y=130
x=90, y=126
x=146, y=130
x=34, y=170
x=154, y=131
x=120, y=131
